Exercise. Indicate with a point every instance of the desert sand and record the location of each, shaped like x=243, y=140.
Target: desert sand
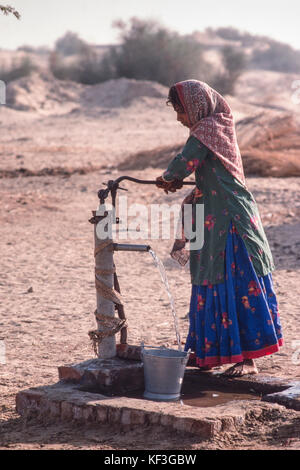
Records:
x=59, y=143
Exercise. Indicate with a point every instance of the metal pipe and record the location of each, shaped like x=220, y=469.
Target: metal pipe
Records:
x=113, y=186
x=136, y=180
x=128, y=247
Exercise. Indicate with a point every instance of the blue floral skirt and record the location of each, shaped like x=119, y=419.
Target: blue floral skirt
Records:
x=237, y=319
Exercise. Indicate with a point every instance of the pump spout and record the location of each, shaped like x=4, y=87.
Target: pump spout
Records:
x=128, y=247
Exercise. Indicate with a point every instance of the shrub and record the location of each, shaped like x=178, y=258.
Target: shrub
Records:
x=42, y=50
x=149, y=51
x=70, y=44
x=86, y=68
x=18, y=69
x=26, y=48
x=234, y=63
x=232, y=34
x=277, y=56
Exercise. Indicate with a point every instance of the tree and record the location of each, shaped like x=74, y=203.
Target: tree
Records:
x=149, y=51
x=19, y=68
x=71, y=44
x=234, y=62
x=8, y=9
x=277, y=56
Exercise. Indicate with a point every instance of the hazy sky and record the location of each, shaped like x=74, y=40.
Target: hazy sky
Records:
x=43, y=21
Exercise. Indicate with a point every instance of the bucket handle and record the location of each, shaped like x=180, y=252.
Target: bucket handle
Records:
x=157, y=347
x=164, y=347
x=153, y=347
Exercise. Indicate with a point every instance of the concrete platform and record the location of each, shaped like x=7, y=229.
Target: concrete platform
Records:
x=65, y=402
x=108, y=376
x=290, y=397
x=74, y=397
x=121, y=374
x=124, y=373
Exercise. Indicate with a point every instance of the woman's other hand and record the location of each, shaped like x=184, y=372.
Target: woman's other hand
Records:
x=167, y=186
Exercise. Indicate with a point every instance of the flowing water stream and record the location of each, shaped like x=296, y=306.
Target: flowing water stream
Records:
x=164, y=279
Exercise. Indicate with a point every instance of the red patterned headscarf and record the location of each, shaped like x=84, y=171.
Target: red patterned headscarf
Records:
x=212, y=123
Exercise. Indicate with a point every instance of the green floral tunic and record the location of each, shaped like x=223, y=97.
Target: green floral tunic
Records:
x=224, y=199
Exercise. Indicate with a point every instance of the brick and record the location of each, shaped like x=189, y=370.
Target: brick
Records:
x=114, y=415
x=203, y=428
x=126, y=417
x=21, y=403
x=77, y=413
x=54, y=409
x=44, y=407
x=131, y=418
x=88, y=414
x=28, y=399
x=69, y=374
x=66, y=411
x=137, y=417
x=102, y=414
x=167, y=420
x=152, y=418
x=131, y=352
x=228, y=424
x=183, y=424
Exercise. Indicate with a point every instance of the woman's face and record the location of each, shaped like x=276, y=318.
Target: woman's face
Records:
x=183, y=118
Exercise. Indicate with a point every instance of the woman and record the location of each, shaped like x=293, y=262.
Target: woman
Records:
x=233, y=308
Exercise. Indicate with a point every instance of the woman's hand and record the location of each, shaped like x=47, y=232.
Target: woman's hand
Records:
x=167, y=186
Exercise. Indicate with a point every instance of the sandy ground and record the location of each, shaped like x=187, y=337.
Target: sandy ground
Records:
x=47, y=275
x=49, y=297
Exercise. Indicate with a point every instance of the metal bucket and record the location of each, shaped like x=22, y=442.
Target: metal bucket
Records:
x=163, y=372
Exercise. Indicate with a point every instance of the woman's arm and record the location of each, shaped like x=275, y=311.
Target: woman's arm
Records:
x=192, y=155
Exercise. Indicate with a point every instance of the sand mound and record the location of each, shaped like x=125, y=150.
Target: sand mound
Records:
x=268, y=89
x=121, y=92
x=79, y=122
x=157, y=158
x=43, y=93
x=269, y=143
x=267, y=129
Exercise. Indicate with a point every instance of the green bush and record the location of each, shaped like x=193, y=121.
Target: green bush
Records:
x=232, y=34
x=70, y=44
x=277, y=56
x=234, y=63
x=19, y=68
x=87, y=68
x=149, y=51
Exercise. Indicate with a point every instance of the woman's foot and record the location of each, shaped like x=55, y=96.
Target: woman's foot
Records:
x=246, y=367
